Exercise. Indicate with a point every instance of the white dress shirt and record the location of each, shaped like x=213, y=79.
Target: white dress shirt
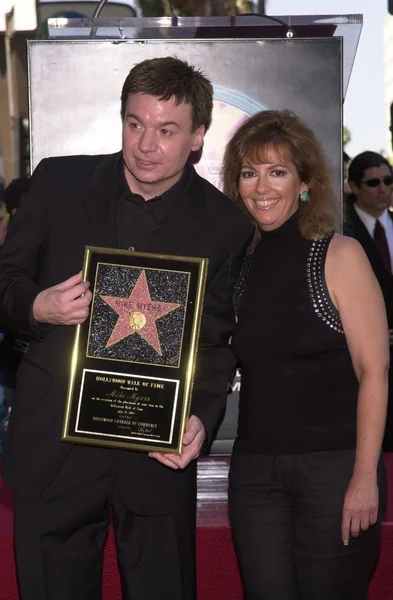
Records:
x=386, y=222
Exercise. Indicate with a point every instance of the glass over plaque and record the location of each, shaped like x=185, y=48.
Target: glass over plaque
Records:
x=133, y=360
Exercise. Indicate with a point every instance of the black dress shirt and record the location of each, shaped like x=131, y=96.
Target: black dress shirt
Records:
x=138, y=219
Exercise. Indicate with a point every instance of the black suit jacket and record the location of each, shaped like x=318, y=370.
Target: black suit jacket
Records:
x=71, y=204
x=354, y=227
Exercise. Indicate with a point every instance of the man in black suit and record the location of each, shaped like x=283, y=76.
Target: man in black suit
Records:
x=370, y=222
x=146, y=198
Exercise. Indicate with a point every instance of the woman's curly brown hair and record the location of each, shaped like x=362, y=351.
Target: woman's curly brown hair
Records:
x=285, y=133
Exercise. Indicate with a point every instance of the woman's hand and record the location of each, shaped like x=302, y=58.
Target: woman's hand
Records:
x=360, y=509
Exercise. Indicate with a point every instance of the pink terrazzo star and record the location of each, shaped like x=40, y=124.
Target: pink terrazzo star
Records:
x=138, y=314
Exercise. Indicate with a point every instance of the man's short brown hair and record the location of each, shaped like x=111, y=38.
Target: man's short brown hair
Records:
x=170, y=77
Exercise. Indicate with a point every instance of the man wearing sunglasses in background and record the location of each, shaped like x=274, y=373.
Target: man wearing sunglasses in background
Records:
x=369, y=220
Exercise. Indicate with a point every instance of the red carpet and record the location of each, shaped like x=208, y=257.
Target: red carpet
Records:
x=218, y=577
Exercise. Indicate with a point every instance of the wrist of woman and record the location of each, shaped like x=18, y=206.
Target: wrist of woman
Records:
x=365, y=471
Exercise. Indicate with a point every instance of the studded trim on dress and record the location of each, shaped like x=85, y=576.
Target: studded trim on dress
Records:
x=240, y=284
x=318, y=292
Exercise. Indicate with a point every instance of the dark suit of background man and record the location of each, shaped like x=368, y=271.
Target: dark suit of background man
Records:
x=145, y=197
x=371, y=223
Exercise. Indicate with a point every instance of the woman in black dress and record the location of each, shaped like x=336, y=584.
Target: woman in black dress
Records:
x=307, y=483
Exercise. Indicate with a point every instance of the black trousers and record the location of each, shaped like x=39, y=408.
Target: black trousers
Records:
x=60, y=536
x=286, y=514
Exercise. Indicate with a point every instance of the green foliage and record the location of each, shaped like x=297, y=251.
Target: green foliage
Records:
x=346, y=135
x=152, y=8
x=194, y=8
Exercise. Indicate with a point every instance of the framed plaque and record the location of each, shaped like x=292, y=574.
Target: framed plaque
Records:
x=133, y=360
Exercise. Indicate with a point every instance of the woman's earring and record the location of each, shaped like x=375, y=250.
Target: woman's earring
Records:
x=304, y=197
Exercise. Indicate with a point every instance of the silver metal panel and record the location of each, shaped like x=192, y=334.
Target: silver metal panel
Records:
x=75, y=86
x=212, y=490
x=347, y=26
